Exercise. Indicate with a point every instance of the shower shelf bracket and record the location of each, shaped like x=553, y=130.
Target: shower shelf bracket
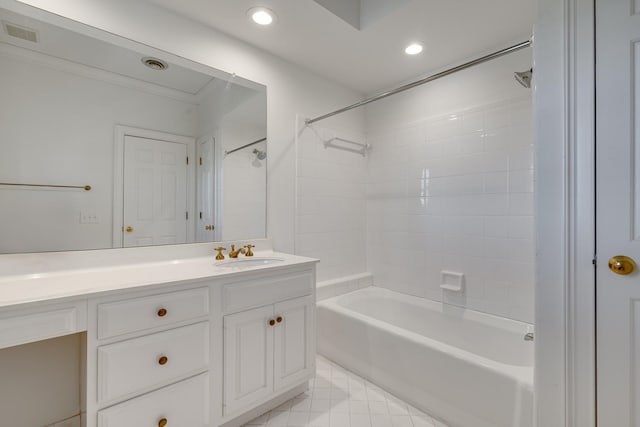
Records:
x=362, y=150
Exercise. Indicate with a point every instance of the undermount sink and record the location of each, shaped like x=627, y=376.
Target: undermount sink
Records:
x=241, y=263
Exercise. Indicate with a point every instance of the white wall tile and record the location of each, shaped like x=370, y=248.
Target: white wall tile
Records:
x=522, y=159
x=521, y=181
x=331, y=186
x=496, y=182
x=468, y=177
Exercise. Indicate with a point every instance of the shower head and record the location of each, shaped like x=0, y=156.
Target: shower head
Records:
x=524, y=77
x=260, y=155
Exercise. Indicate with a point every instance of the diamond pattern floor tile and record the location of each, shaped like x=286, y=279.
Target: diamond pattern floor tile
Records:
x=339, y=398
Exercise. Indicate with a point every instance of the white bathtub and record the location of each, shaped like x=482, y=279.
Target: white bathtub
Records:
x=467, y=368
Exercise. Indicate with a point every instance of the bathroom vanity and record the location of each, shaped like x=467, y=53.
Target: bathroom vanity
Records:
x=175, y=340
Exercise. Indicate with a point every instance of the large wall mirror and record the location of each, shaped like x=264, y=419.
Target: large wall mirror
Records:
x=106, y=143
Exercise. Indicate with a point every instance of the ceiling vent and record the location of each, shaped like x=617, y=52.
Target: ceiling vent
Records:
x=20, y=32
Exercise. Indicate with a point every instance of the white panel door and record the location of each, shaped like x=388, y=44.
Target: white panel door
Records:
x=206, y=231
x=294, y=341
x=248, y=358
x=618, y=210
x=155, y=192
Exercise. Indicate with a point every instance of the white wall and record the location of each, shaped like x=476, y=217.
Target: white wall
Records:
x=40, y=382
x=59, y=129
x=451, y=188
x=331, y=205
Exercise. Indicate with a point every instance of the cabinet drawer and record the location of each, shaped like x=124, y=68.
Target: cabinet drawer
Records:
x=121, y=317
x=256, y=293
x=184, y=404
x=20, y=327
x=152, y=361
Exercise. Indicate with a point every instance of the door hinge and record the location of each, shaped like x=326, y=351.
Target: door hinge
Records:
x=200, y=161
x=186, y=214
x=187, y=160
x=200, y=215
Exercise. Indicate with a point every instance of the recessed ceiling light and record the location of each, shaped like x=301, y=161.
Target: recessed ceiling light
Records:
x=261, y=15
x=413, y=49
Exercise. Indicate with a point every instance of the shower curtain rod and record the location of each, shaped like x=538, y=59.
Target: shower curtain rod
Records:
x=226, y=153
x=428, y=79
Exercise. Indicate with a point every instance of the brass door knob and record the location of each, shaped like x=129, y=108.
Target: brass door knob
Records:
x=162, y=312
x=163, y=360
x=163, y=422
x=622, y=265
x=272, y=322
x=279, y=319
x=129, y=229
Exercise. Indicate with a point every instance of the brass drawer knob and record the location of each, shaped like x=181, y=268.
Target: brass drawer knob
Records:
x=162, y=312
x=272, y=322
x=129, y=229
x=163, y=360
x=279, y=319
x=163, y=422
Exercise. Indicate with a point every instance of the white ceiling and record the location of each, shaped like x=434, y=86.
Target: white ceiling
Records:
x=372, y=58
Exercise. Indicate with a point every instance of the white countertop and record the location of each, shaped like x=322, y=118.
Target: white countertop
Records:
x=38, y=287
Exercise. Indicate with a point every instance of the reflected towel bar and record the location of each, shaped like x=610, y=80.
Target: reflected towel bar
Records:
x=83, y=187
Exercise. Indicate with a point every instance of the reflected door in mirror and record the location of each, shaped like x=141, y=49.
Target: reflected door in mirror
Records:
x=155, y=189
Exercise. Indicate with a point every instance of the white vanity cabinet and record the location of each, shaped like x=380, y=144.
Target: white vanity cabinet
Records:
x=149, y=357
x=270, y=348
x=186, y=344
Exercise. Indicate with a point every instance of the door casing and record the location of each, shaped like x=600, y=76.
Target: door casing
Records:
x=564, y=99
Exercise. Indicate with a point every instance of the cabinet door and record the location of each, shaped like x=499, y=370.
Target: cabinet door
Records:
x=248, y=358
x=294, y=359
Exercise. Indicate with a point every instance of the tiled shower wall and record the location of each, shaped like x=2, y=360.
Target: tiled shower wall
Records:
x=331, y=206
x=450, y=187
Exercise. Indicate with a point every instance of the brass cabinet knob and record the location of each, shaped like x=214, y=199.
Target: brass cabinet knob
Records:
x=162, y=312
x=272, y=322
x=209, y=227
x=129, y=229
x=163, y=422
x=279, y=319
x=163, y=360
x=622, y=265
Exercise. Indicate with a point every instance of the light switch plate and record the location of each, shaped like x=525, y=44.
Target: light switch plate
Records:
x=89, y=217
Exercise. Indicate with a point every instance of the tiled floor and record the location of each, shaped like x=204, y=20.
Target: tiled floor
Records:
x=339, y=398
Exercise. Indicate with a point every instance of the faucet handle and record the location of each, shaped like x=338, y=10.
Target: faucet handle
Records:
x=220, y=256
x=249, y=253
